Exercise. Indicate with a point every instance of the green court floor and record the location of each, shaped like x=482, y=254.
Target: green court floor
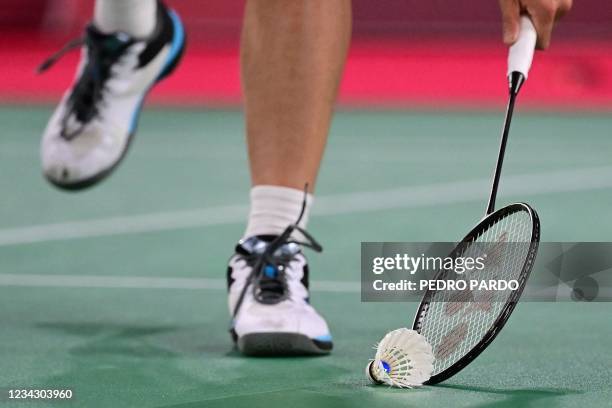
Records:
x=118, y=292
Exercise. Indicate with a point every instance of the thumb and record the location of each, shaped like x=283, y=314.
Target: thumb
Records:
x=511, y=12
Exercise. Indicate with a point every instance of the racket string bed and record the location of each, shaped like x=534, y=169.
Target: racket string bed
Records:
x=455, y=334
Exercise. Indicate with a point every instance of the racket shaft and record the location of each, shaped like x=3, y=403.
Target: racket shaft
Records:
x=502, y=151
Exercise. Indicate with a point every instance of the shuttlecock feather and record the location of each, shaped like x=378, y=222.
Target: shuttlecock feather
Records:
x=403, y=359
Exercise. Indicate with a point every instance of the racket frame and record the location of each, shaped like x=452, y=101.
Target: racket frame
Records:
x=519, y=63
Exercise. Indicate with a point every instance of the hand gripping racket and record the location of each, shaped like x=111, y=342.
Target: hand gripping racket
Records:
x=458, y=326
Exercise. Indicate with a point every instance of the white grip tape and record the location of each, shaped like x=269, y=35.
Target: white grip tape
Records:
x=521, y=52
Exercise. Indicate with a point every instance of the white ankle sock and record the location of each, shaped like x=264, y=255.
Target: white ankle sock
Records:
x=134, y=17
x=273, y=208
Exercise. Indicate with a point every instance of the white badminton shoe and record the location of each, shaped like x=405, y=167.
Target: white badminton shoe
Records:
x=269, y=299
x=91, y=129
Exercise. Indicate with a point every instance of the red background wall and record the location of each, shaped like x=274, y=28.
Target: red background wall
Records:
x=425, y=53
x=221, y=18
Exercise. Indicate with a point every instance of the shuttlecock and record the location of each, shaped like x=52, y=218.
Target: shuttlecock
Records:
x=403, y=359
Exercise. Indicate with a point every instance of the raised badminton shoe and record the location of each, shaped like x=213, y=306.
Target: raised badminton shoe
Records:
x=92, y=127
x=269, y=299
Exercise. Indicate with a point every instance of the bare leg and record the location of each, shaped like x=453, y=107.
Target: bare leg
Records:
x=293, y=53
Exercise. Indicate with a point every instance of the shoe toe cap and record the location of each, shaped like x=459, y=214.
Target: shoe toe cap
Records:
x=58, y=162
x=68, y=162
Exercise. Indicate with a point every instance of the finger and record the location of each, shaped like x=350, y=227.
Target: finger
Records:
x=543, y=15
x=510, y=11
x=564, y=7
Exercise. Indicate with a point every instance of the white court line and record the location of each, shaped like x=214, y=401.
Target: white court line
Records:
x=142, y=282
x=519, y=186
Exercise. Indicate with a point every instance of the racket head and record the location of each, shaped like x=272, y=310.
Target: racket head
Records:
x=523, y=225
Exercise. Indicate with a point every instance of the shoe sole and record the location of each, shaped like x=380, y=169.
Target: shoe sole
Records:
x=281, y=344
x=85, y=183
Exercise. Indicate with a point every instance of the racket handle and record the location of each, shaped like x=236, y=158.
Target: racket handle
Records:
x=521, y=52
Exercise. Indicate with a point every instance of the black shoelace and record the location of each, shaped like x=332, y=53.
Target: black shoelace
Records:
x=268, y=274
x=86, y=96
